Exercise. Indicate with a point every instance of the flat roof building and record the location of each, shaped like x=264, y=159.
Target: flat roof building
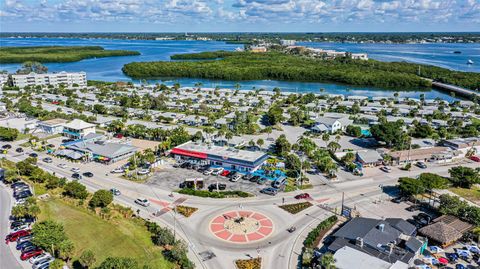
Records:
x=99, y=150
x=53, y=126
x=230, y=158
x=77, y=129
x=55, y=79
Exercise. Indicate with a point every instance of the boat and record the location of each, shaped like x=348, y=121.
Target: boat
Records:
x=469, y=62
x=457, y=52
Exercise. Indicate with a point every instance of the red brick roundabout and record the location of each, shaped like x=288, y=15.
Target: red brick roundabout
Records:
x=242, y=226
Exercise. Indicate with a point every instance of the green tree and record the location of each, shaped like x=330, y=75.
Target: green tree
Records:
x=464, y=177
x=101, y=198
x=76, y=190
x=433, y=181
x=333, y=146
x=49, y=235
x=282, y=146
x=56, y=264
x=274, y=115
x=451, y=205
x=391, y=133
x=87, y=259
x=66, y=249
x=118, y=263
x=8, y=134
x=410, y=186
x=353, y=130
x=163, y=237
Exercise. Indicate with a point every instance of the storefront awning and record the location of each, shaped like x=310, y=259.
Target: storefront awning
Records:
x=189, y=153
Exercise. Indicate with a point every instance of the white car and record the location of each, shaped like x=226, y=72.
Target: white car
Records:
x=21, y=227
x=143, y=202
x=386, y=169
x=217, y=171
x=236, y=178
x=39, y=257
x=208, y=172
x=20, y=201
x=118, y=170
x=143, y=171
x=75, y=169
x=63, y=166
x=41, y=263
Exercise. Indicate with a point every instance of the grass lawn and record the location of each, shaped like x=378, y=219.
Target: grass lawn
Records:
x=118, y=237
x=472, y=194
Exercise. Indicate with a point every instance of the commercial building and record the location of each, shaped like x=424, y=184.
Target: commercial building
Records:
x=53, y=126
x=433, y=154
x=369, y=158
x=55, y=79
x=391, y=240
x=229, y=158
x=77, y=129
x=286, y=42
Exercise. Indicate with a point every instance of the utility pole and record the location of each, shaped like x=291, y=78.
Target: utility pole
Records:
x=343, y=200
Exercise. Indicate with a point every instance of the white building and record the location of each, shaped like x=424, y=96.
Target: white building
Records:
x=3, y=79
x=77, y=129
x=331, y=124
x=55, y=79
x=285, y=42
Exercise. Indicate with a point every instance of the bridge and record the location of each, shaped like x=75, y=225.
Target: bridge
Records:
x=455, y=89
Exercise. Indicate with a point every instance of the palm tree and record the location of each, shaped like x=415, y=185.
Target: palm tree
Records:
x=328, y=261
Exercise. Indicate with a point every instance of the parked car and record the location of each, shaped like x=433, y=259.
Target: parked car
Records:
x=202, y=169
x=279, y=182
x=44, y=266
x=217, y=171
x=40, y=263
x=142, y=201
x=143, y=171
x=47, y=160
x=421, y=165
x=22, y=239
x=215, y=186
x=232, y=174
x=184, y=165
x=62, y=165
x=16, y=223
x=30, y=254
x=39, y=257
x=12, y=237
x=261, y=181
x=254, y=179
x=88, y=174
x=302, y=196
x=475, y=158
x=33, y=155
x=269, y=191
x=18, y=184
x=225, y=173
x=236, y=178
x=423, y=218
x=399, y=199
x=75, y=170
x=115, y=192
x=248, y=176
x=76, y=176
x=23, y=194
x=386, y=169
x=28, y=248
x=207, y=172
x=19, y=150
x=21, y=227
x=23, y=244
x=413, y=208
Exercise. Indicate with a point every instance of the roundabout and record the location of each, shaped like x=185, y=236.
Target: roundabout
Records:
x=242, y=226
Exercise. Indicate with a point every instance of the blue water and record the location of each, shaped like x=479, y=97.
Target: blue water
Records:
x=109, y=68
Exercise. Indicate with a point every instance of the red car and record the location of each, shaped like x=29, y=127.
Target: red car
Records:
x=475, y=158
x=225, y=173
x=302, y=196
x=30, y=254
x=14, y=236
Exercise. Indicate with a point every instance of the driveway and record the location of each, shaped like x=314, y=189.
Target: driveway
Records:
x=7, y=257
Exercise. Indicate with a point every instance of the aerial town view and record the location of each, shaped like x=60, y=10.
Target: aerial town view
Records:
x=240, y=134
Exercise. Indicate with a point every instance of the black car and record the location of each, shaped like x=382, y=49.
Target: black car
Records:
x=24, y=245
x=33, y=155
x=7, y=146
x=184, y=165
x=413, y=208
x=76, y=176
x=232, y=174
x=399, y=199
x=19, y=150
x=202, y=169
x=18, y=184
x=248, y=176
x=23, y=194
x=261, y=181
x=16, y=224
x=88, y=174
x=254, y=179
x=219, y=186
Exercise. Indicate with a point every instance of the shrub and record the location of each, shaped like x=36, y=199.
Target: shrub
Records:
x=87, y=259
x=312, y=235
x=101, y=198
x=76, y=190
x=255, y=263
x=163, y=237
x=295, y=208
x=214, y=194
x=118, y=263
x=185, y=210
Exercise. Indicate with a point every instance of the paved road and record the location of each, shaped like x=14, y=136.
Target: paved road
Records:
x=280, y=250
x=7, y=259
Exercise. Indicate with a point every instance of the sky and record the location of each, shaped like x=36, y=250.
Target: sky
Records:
x=239, y=15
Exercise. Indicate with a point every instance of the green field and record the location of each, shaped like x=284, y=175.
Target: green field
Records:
x=57, y=54
x=473, y=194
x=239, y=66
x=119, y=237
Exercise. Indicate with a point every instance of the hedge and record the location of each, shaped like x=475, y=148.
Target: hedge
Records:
x=312, y=235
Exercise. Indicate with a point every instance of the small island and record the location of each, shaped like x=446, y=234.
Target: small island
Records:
x=274, y=65
x=57, y=54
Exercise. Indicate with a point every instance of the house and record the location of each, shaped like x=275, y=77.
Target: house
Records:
x=77, y=129
x=391, y=240
x=53, y=126
x=348, y=258
x=463, y=144
x=369, y=158
x=331, y=124
x=436, y=154
x=194, y=120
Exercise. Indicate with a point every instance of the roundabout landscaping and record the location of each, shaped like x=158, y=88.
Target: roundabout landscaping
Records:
x=242, y=226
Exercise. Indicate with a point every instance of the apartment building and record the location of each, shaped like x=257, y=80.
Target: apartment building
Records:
x=55, y=79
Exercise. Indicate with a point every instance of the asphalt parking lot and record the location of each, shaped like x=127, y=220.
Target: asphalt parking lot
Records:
x=169, y=178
